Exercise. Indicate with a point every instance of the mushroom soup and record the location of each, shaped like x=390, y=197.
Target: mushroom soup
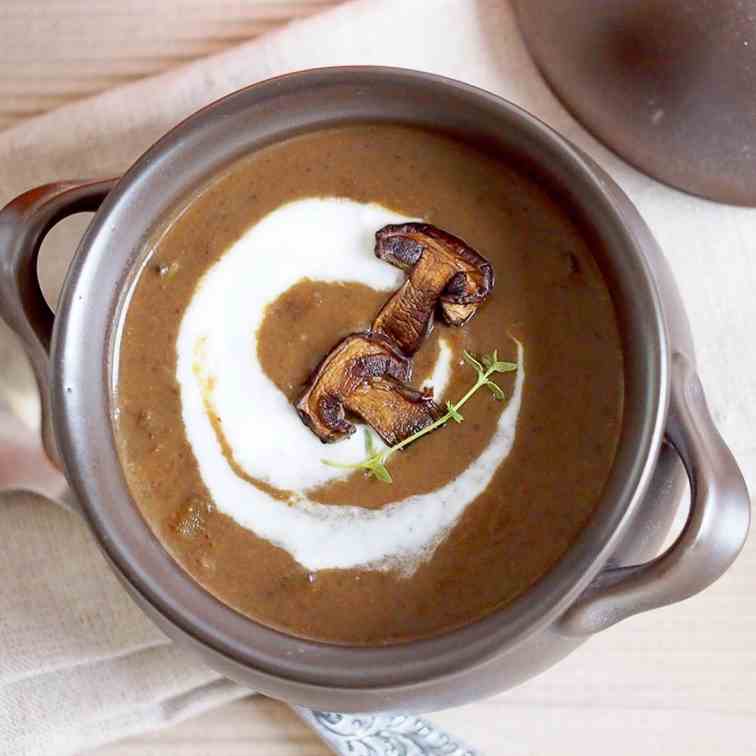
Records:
x=369, y=384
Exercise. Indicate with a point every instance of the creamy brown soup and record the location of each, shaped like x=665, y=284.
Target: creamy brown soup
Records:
x=549, y=295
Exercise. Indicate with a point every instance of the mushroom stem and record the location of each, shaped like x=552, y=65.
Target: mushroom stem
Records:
x=443, y=270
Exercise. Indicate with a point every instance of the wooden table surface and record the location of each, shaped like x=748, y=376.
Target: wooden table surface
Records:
x=677, y=681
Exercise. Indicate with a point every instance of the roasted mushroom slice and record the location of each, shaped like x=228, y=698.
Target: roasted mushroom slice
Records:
x=364, y=374
x=443, y=270
x=393, y=409
x=367, y=373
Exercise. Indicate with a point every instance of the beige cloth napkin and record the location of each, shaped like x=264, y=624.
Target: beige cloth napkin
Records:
x=79, y=664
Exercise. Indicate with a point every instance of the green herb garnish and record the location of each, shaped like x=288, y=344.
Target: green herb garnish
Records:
x=375, y=461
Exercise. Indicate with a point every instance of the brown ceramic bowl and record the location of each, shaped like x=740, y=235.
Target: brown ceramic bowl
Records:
x=666, y=416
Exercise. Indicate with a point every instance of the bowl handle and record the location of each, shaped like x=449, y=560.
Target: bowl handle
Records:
x=712, y=537
x=24, y=223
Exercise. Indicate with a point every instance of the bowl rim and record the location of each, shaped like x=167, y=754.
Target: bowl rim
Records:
x=81, y=403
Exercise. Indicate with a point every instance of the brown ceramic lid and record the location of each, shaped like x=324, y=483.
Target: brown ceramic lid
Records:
x=668, y=84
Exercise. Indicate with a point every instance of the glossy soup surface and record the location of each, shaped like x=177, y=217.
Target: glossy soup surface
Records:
x=549, y=295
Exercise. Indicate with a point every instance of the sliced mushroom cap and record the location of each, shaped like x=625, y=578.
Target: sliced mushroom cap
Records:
x=365, y=375
x=443, y=271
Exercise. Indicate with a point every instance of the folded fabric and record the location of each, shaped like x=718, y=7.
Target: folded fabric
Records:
x=79, y=664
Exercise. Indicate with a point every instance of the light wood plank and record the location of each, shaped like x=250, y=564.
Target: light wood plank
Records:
x=56, y=51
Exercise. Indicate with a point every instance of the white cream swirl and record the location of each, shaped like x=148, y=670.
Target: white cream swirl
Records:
x=325, y=239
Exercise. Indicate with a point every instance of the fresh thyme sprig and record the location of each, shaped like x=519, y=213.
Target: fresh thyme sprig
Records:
x=375, y=461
